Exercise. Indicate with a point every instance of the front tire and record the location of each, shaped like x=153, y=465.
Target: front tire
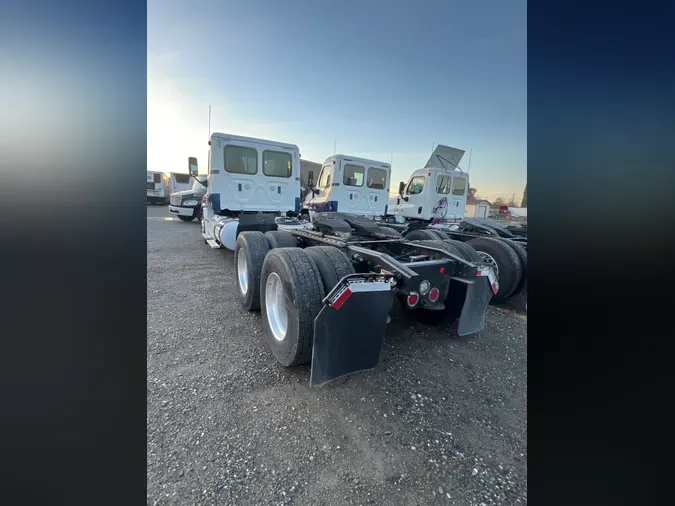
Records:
x=291, y=298
x=186, y=218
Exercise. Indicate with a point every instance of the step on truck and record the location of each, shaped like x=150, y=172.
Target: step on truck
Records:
x=326, y=288
x=430, y=206
x=351, y=185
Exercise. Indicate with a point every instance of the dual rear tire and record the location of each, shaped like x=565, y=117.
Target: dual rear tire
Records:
x=288, y=284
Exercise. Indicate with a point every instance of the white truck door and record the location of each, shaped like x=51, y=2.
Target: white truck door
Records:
x=457, y=200
x=416, y=192
x=260, y=178
x=360, y=195
x=320, y=202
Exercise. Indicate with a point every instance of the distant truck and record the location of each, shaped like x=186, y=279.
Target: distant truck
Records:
x=187, y=204
x=431, y=206
x=348, y=184
x=158, y=188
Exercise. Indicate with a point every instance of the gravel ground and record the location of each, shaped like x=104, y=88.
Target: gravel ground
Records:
x=442, y=420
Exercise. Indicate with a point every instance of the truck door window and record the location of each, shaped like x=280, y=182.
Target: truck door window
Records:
x=443, y=184
x=324, y=178
x=416, y=185
x=277, y=164
x=353, y=175
x=241, y=160
x=377, y=178
x=182, y=178
x=157, y=178
x=458, y=186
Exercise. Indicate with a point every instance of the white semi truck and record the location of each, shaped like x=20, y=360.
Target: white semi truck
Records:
x=158, y=188
x=350, y=185
x=326, y=288
x=431, y=205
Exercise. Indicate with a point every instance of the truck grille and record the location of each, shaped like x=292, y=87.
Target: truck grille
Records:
x=151, y=186
x=175, y=200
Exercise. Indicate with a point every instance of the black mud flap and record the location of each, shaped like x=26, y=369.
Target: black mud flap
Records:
x=478, y=296
x=349, y=330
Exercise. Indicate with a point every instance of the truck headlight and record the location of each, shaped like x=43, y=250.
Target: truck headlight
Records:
x=190, y=203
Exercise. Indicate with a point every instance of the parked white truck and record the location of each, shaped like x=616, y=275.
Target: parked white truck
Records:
x=431, y=205
x=326, y=288
x=350, y=185
x=158, y=188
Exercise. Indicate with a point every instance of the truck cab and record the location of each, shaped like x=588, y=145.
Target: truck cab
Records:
x=435, y=193
x=187, y=204
x=350, y=185
x=252, y=184
x=158, y=188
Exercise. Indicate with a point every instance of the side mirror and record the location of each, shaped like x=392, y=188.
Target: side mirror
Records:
x=193, y=166
x=401, y=189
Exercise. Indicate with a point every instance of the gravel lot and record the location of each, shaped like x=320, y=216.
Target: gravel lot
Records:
x=442, y=420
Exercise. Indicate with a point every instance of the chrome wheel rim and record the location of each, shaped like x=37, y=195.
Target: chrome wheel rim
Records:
x=277, y=316
x=487, y=259
x=242, y=272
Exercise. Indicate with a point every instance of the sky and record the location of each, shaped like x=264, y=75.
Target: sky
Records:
x=377, y=79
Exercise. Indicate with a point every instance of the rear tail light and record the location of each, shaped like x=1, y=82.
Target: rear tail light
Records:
x=413, y=299
x=434, y=294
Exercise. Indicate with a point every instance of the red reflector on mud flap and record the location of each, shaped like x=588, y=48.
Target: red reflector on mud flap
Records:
x=341, y=299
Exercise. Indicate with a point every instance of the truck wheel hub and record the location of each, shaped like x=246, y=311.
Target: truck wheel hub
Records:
x=277, y=316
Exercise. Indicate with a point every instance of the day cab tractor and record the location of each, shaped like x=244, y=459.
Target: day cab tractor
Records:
x=431, y=207
x=351, y=185
x=326, y=288
x=187, y=204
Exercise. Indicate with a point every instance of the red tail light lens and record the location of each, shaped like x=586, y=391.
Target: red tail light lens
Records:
x=413, y=299
x=434, y=294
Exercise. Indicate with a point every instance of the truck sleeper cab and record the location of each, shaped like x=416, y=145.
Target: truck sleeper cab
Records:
x=252, y=184
x=350, y=185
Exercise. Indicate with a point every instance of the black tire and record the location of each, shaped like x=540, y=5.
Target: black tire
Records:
x=421, y=235
x=522, y=255
x=392, y=232
x=302, y=294
x=509, y=270
x=253, y=246
x=440, y=235
x=186, y=218
x=280, y=239
x=332, y=263
x=470, y=254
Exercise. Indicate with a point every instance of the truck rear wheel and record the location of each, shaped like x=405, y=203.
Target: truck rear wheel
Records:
x=470, y=254
x=522, y=255
x=291, y=298
x=280, y=239
x=249, y=255
x=421, y=235
x=504, y=260
x=332, y=263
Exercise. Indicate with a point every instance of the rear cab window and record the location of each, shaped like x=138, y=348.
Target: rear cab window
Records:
x=377, y=178
x=443, y=184
x=277, y=164
x=353, y=175
x=458, y=186
x=241, y=160
x=182, y=178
